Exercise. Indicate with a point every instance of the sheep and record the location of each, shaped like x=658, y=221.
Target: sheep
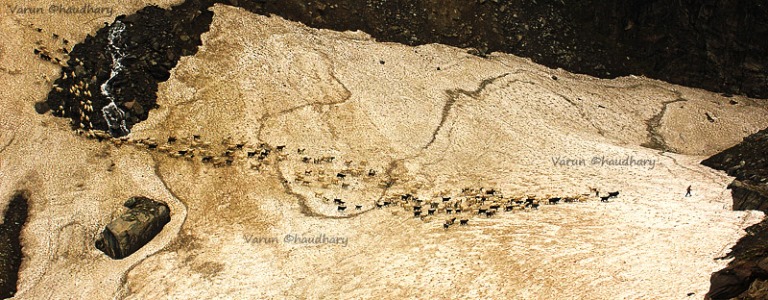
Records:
x=594, y=190
x=449, y=222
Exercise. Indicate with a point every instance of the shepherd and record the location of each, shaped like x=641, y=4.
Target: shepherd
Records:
x=688, y=191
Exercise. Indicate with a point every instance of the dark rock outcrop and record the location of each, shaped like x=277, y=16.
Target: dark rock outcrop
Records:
x=748, y=196
x=745, y=277
x=150, y=45
x=748, y=162
x=10, y=244
x=134, y=228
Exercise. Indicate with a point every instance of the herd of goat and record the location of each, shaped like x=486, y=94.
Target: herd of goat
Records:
x=471, y=202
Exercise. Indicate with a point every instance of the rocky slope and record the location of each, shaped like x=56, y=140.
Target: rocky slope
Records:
x=717, y=45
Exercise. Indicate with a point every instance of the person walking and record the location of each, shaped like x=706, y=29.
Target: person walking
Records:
x=688, y=191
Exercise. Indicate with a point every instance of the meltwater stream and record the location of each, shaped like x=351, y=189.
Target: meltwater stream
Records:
x=114, y=116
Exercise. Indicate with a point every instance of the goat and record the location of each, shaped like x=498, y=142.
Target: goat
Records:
x=417, y=214
x=448, y=210
x=371, y=172
x=379, y=205
x=490, y=212
x=340, y=175
x=416, y=207
x=338, y=201
x=280, y=148
x=554, y=200
x=341, y=208
x=358, y=207
x=446, y=199
x=431, y=211
x=433, y=205
x=605, y=199
x=463, y=221
x=613, y=194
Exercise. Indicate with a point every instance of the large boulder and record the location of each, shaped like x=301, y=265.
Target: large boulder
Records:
x=134, y=228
